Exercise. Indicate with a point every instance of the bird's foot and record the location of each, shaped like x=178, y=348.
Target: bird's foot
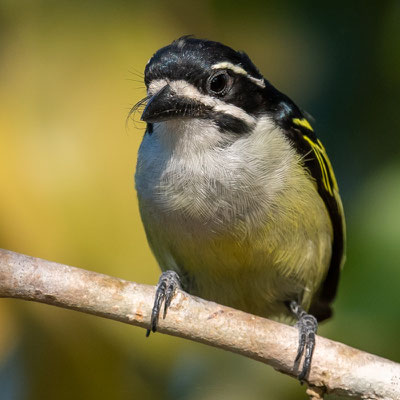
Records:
x=168, y=283
x=307, y=325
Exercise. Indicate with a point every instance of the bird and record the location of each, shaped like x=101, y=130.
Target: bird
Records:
x=236, y=193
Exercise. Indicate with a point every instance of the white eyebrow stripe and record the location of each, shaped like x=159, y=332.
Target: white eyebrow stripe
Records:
x=240, y=71
x=232, y=67
x=185, y=89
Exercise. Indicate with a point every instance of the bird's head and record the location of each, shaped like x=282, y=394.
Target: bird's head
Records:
x=201, y=79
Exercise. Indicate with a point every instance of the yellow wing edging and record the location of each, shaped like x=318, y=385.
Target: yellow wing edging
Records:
x=328, y=175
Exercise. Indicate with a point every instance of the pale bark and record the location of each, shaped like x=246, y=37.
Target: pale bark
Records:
x=336, y=368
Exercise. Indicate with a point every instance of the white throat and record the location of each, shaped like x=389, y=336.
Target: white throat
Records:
x=186, y=169
x=188, y=137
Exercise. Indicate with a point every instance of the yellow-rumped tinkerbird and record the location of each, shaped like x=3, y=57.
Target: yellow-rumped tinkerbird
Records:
x=236, y=192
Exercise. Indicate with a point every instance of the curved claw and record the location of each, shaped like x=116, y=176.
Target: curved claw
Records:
x=168, y=283
x=307, y=325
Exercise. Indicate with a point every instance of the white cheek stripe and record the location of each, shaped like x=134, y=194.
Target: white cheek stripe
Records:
x=155, y=86
x=240, y=71
x=185, y=89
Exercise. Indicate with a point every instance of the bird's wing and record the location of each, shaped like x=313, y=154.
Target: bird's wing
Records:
x=317, y=162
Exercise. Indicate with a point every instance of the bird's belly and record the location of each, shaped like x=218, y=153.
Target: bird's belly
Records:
x=249, y=233
x=255, y=270
x=239, y=274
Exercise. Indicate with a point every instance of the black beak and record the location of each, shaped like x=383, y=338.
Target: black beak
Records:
x=166, y=105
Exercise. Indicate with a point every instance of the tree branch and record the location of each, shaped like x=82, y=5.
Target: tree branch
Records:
x=336, y=368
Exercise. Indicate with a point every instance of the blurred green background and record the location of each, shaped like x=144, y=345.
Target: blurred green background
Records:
x=69, y=73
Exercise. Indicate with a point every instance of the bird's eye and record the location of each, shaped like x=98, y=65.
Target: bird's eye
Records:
x=219, y=83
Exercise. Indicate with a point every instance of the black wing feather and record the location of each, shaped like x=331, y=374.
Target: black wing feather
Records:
x=301, y=134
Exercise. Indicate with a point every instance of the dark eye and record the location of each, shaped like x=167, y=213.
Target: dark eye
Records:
x=219, y=83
